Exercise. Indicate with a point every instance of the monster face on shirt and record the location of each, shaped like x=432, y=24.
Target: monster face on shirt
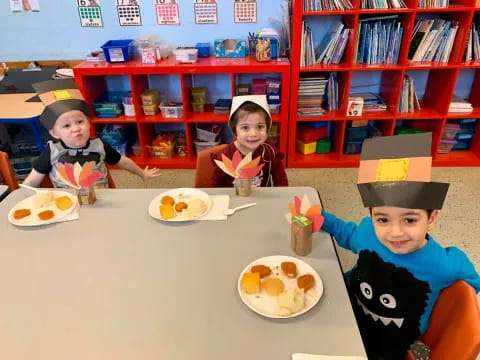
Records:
x=389, y=302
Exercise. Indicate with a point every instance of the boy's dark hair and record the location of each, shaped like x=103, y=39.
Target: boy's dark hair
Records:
x=428, y=211
x=249, y=107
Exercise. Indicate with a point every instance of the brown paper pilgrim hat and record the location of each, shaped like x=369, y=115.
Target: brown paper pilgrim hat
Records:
x=59, y=96
x=396, y=171
x=260, y=100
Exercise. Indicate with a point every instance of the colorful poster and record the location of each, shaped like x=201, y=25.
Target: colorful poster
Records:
x=245, y=11
x=90, y=13
x=167, y=12
x=129, y=12
x=205, y=12
x=24, y=5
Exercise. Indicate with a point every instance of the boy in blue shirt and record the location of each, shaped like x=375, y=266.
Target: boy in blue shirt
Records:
x=401, y=269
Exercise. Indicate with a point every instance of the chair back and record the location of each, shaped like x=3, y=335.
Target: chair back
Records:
x=205, y=166
x=7, y=172
x=454, y=330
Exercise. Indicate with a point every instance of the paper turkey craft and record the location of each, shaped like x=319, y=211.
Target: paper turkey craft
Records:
x=239, y=168
x=303, y=207
x=78, y=176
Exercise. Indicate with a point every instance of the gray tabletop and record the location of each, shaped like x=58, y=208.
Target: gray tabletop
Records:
x=118, y=284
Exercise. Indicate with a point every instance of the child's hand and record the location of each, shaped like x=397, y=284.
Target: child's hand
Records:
x=150, y=173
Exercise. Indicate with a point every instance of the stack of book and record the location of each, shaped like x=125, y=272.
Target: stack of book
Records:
x=307, y=51
x=409, y=100
x=329, y=5
x=332, y=92
x=371, y=101
x=473, y=44
x=378, y=40
x=432, y=3
x=222, y=106
x=311, y=95
x=383, y=4
x=460, y=105
x=432, y=40
x=259, y=86
x=333, y=45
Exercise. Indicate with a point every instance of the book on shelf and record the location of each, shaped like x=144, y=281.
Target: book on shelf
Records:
x=433, y=3
x=408, y=99
x=329, y=5
x=371, y=101
x=383, y=4
x=378, y=40
x=473, y=44
x=458, y=104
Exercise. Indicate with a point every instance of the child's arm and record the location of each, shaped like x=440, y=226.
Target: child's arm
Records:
x=129, y=165
x=279, y=175
x=342, y=231
x=34, y=178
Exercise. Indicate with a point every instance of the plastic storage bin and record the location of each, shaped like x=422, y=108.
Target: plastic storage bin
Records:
x=117, y=50
x=323, y=146
x=450, y=131
x=186, y=55
x=203, y=49
x=172, y=111
x=203, y=145
x=209, y=132
x=357, y=133
x=446, y=145
x=150, y=109
x=353, y=147
x=109, y=105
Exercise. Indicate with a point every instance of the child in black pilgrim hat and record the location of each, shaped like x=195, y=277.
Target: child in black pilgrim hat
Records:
x=66, y=116
x=250, y=122
x=400, y=269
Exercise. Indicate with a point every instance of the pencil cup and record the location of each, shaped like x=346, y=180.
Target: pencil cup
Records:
x=301, y=235
x=243, y=187
x=86, y=196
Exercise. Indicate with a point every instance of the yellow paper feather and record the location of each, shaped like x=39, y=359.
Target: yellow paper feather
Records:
x=305, y=205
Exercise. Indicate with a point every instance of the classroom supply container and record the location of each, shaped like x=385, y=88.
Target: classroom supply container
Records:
x=186, y=55
x=172, y=111
x=446, y=145
x=305, y=148
x=118, y=50
x=203, y=145
x=450, y=130
x=323, y=146
x=203, y=49
x=208, y=132
x=109, y=105
x=353, y=147
x=150, y=109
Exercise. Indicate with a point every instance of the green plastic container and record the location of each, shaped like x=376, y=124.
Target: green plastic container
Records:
x=401, y=131
x=323, y=146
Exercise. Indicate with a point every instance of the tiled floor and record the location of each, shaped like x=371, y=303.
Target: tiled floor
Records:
x=459, y=221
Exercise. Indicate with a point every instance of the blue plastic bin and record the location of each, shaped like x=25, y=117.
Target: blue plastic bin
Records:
x=203, y=49
x=357, y=133
x=117, y=50
x=353, y=147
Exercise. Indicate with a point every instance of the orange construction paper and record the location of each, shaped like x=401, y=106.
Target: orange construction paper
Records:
x=228, y=164
x=419, y=169
x=86, y=171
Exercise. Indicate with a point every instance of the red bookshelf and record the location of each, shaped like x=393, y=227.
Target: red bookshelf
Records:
x=438, y=83
x=94, y=79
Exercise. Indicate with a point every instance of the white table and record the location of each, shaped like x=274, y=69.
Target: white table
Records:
x=118, y=284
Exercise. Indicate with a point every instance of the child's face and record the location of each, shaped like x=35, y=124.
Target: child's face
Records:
x=251, y=131
x=402, y=230
x=73, y=128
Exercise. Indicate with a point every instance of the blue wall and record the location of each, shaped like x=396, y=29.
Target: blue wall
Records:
x=55, y=32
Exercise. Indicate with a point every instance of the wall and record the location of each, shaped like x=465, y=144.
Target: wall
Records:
x=55, y=33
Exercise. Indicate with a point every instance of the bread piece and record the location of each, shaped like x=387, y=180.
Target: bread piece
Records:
x=64, y=202
x=262, y=270
x=167, y=211
x=289, y=268
x=46, y=215
x=251, y=283
x=21, y=213
x=273, y=286
x=180, y=206
x=306, y=282
x=167, y=200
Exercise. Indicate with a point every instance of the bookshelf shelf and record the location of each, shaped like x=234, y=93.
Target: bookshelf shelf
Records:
x=435, y=83
x=174, y=81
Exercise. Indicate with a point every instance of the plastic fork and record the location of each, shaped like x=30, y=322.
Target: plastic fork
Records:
x=232, y=211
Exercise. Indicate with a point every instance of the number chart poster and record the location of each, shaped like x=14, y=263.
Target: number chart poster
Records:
x=205, y=12
x=24, y=5
x=129, y=12
x=90, y=13
x=167, y=12
x=245, y=11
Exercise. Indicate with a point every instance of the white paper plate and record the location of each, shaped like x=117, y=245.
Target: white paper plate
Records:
x=182, y=194
x=266, y=305
x=32, y=219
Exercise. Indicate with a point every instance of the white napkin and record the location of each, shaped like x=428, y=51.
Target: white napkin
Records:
x=300, y=356
x=217, y=210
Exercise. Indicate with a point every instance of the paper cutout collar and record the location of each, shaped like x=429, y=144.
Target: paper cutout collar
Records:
x=59, y=96
x=77, y=176
x=239, y=168
x=260, y=100
x=396, y=171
